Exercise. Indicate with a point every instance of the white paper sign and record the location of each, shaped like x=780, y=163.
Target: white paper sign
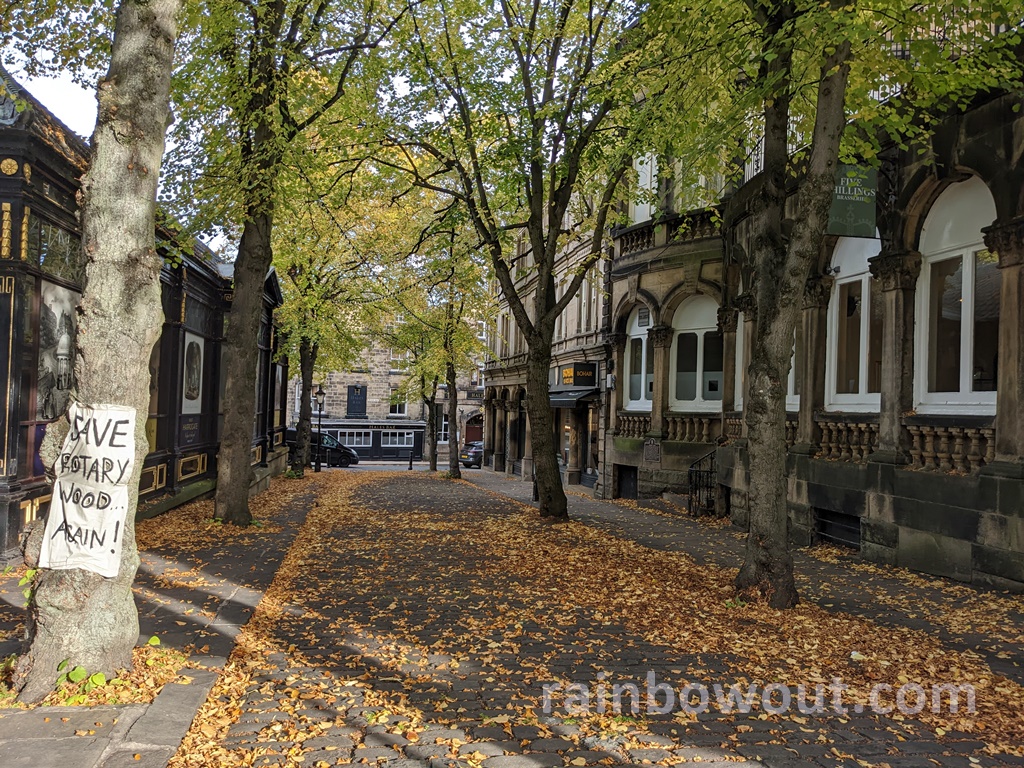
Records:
x=85, y=524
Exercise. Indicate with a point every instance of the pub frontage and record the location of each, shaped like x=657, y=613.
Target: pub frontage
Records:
x=41, y=279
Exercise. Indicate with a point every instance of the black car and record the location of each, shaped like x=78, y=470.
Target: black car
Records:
x=332, y=453
x=472, y=454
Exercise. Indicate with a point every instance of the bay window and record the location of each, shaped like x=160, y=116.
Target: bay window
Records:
x=697, y=356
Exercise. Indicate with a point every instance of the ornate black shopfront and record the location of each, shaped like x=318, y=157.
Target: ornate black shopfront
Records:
x=41, y=276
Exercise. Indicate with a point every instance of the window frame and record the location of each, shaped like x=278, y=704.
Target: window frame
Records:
x=699, y=404
x=862, y=401
x=635, y=331
x=965, y=400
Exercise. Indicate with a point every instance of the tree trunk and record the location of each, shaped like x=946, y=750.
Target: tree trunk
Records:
x=77, y=615
x=307, y=362
x=551, y=496
x=431, y=405
x=454, y=468
x=783, y=271
x=234, y=460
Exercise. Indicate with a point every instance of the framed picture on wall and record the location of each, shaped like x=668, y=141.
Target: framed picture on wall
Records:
x=57, y=344
x=192, y=374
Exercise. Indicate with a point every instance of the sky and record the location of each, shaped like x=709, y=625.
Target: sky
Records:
x=72, y=104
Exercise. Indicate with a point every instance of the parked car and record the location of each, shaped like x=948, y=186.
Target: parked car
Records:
x=472, y=454
x=332, y=453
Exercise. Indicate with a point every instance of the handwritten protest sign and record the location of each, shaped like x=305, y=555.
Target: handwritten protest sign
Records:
x=85, y=524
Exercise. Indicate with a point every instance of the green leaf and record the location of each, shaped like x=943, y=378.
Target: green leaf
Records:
x=154, y=640
x=98, y=678
x=78, y=674
x=63, y=665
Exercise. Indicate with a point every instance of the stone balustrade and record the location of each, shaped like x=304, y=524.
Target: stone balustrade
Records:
x=791, y=430
x=846, y=439
x=948, y=448
x=733, y=427
x=635, y=425
x=636, y=240
x=693, y=427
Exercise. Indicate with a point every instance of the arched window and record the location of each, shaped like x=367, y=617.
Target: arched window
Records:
x=697, y=356
x=639, y=383
x=958, y=305
x=853, y=368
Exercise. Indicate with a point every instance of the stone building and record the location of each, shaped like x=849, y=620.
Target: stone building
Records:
x=579, y=368
x=364, y=410
x=41, y=275
x=905, y=437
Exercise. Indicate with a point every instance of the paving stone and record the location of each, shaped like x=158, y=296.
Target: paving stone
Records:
x=384, y=740
x=147, y=758
x=487, y=748
x=526, y=732
x=490, y=732
x=533, y=760
x=372, y=754
x=550, y=745
x=650, y=755
x=421, y=751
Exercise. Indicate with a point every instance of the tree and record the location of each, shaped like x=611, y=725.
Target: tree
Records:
x=532, y=140
x=328, y=262
x=798, y=71
x=257, y=77
x=77, y=616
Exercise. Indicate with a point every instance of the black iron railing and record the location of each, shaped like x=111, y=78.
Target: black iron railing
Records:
x=703, y=478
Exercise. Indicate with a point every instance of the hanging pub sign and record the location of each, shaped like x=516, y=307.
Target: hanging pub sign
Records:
x=579, y=375
x=853, y=202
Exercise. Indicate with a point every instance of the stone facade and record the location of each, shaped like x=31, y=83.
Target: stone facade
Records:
x=904, y=427
x=369, y=385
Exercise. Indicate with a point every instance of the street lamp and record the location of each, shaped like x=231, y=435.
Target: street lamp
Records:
x=320, y=395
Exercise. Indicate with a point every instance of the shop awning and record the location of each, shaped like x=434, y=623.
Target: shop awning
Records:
x=570, y=398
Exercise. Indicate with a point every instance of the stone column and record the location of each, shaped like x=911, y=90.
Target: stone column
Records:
x=1006, y=240
x=814, y=321
x=572, y=469
x=499, y=435
x=897, y=272
x=727, y=320
x=661, y=339
x=618, y=354
x=745, y=303
x=528, y=452
x=512, y=436
x=487, y=438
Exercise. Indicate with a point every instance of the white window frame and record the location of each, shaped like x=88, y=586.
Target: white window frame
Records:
x=355, y=439
x=646, y=168
x=397, y=409
x=740, y=377
x=964, y=401
x=393, y=439
x=792, y=398
x=635, y=331
x=698, y=405
x=863, y=401
x=952, y=216
x=443, y=433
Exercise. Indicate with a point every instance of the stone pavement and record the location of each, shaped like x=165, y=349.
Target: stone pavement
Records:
x=402, y=658
x=878, y=593
x=389, y=653
x=197, y=600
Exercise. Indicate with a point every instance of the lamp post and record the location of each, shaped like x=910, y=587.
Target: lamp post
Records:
x=320, y=395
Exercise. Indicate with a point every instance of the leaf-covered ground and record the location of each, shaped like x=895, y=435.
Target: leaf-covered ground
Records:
x=417, y=619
